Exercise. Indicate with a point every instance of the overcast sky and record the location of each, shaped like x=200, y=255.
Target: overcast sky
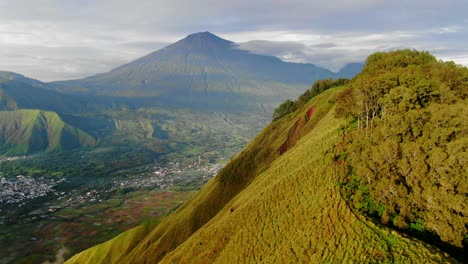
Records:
x=65, y=39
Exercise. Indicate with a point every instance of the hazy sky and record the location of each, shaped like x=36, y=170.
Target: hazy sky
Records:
x=64, y=39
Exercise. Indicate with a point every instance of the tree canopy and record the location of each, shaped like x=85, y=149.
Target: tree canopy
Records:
x=405, y=147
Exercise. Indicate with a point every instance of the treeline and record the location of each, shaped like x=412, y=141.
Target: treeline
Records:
x=317, y=88
x=404, y=148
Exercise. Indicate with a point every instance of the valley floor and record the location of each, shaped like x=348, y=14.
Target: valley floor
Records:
x=63, y=217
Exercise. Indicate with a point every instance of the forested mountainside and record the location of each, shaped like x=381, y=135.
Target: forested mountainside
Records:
x=335, y=178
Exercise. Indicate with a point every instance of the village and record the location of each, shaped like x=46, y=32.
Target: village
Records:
x=3, y=159
x=18, y=191
x=22, y=188
x=174, y=174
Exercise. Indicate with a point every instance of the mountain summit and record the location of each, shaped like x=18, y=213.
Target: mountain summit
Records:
x=202, y=40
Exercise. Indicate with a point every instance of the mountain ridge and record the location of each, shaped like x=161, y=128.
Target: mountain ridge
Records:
x=7, y=76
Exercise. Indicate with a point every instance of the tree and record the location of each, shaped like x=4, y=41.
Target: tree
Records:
x=283, y=109
x=412, y=157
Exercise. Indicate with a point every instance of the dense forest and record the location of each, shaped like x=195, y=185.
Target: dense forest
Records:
x=404, y=149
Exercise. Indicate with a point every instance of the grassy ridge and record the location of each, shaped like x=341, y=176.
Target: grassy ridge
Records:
x=29, y=131
x=263, y=207
x=293, y=212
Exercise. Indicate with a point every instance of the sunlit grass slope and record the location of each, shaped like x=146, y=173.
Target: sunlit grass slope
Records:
x=271, y=208
x=29, y=131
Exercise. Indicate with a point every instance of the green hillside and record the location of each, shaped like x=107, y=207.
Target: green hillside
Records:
x=30, y=131
x=282, y=199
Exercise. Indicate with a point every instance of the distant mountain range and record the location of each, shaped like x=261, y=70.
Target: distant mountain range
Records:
x=205, y=71
x=201, y=73
x=20, y=92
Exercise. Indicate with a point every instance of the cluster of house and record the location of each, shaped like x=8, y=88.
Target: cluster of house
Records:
x=21, y=188
x=2, y=159
x=169, y=176
x=18, y=190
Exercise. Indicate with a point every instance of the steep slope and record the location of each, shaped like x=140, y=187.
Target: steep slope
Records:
x=30, y=131
x=203, y=71
x=267, y=207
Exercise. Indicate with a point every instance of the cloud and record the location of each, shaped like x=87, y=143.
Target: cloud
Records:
x=333, y=51
x=323, y=45
x=332, y=57
x=62, y=39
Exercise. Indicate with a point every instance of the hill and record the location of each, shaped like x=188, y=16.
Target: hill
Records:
x=285, y=198
x=29, y=131
x=19, y=92
x=206, y=72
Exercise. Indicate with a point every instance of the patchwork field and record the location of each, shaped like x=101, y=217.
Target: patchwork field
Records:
x=76, y=229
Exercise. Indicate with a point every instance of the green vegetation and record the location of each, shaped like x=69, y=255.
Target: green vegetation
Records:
x=283, y=109
x=200, y=97
x=140, y=138
x=139, y=141
x=317, y=88
x=28, y=131
x=270, y=207
x=404, y=149
x=389, y=145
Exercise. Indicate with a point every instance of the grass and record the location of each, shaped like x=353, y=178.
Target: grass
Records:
x=263, y=207
x=28, y=131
